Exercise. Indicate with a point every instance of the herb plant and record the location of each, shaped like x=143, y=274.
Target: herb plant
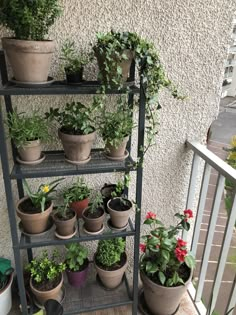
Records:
x=44, y=268
x=77, y=192
x=24, y=128
x=75, y=118
x=76, y=256
x=109, y=251
x=95, y=202
x=163, y=253
x=29, y=20
x=42, y=195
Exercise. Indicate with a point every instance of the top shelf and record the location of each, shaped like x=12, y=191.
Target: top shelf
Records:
x=60, y=88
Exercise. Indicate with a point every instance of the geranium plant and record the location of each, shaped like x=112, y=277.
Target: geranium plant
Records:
x=165, y=258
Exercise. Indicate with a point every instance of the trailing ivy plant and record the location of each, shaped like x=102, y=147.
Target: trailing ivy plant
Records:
x=29, y=19
x=112, y=46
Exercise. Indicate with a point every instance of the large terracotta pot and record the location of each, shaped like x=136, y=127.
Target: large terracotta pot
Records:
x=31, y=151
x=111, y=279
x=93, y=224
x=30, y=60
x=34, y=223
x=117, y=152
x=119, y=218
x=79, y=206
x=65, y=227
x=43, y=296
x=162, y=300
x=77, y=147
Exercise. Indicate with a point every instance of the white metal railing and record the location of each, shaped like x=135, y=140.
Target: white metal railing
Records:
x=224, y=171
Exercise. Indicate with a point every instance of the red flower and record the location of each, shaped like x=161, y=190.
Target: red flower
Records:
x=188, y=214
x=180, y=254
x=151, y=215
x=142, y=247
x=181, y=243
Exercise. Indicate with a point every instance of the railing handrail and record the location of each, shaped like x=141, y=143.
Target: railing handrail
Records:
x=221, y=166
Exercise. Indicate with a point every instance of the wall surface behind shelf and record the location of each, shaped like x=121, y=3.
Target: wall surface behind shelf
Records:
x=192, y=38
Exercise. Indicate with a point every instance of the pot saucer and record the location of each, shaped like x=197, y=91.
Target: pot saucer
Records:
x=105, y=288
x=49, y=81
x=142, y=305
x=43, y=156
x=60, y=298
x=62, y=237
x=49, y=228
x=112, y=227
x=120, y=158
x=78, y=162
x=93, y=233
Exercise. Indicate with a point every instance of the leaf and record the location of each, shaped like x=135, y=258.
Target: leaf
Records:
x=161, y=277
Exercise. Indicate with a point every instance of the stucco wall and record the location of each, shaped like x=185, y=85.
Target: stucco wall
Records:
x=192, y=38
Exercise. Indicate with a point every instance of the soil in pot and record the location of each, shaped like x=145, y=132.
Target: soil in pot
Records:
x=78, y=278
x=79, y=206
x=93, y=221
x=65, y=225
x=74, y=78
x=119, y=212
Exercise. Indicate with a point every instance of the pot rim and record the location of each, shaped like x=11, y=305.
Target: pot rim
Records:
x=109, y=271
x=91, y=219
x=38, y=291
x=8, y=285
x=25, y=198
x=108, y=205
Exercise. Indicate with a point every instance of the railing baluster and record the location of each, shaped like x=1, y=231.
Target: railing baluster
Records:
x=223, y=255
x=232, y=300
x=201, y=206
x=210, y=235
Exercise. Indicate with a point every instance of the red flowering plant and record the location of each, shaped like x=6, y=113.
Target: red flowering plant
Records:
x=165, y=258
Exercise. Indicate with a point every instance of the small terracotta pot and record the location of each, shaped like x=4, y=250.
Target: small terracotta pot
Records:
x=117, y=152
x=67, y=227
x=120, y=218
x=111, y=279
x=30, y=60
x=43, y=296
x=93, y=224
x=31, y=151
x=79, y=206
x=162, y=300
x=77, y=147
x=77, y=278
x=34, y=223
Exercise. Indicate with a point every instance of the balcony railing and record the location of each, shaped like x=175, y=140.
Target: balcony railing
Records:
x=222, y=170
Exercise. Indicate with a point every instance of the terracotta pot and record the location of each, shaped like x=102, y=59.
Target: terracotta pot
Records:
x=65, y=227
x=79, y=206
x=125, y=65
x=117, y=152
x=30, y=60
x=111, y=279
x=76, y=77
x=162, y=300
x=77, y=147
x=119, y=218
x=43, y=296
x=77, y=278
x=31, y=151
x=34, y=223
x=93, y=224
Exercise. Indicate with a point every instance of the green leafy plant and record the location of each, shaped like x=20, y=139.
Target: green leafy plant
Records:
x=77, y=192
x=95, y=202
x=42, y=194
x=76, y=256
x=75, y=118
x=109, y=251
x=164, y=255
x=73, y=60
x=44, y=268
x=24, y=128
x=29, y=20
x=115, y=126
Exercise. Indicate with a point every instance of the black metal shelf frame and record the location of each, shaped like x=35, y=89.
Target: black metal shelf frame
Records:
x=54, y=165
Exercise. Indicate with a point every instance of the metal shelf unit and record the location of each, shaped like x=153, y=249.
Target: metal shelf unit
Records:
x=54, y=165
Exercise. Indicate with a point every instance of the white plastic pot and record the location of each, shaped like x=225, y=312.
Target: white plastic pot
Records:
x=6, y=298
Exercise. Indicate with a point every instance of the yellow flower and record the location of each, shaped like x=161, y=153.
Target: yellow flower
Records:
x=45, y=188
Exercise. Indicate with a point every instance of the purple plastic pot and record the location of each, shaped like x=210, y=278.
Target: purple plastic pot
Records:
x=77, y=278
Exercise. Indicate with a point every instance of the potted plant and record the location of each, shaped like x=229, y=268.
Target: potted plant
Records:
x=94, y=215
x=74, y=62
x=65, y=218
x=77, y=196
x=28, y=52
x=166, y=265
x=76, y=131
x=35, y=208
x=115, y=129
x=28, y=133
x=77, y=264
x=6, y=278
x=111, y=261
x=46, y=276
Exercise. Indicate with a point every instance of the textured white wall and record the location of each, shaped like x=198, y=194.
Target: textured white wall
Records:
x=192, y=38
